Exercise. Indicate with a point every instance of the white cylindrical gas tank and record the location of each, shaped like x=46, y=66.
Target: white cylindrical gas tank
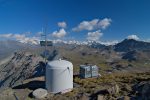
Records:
x=59, y=76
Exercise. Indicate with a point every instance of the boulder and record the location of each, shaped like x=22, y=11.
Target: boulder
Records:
x=39, y=93
x=113, y=90
x=126, y=98
x=143, y=89
x=100, y=97
x=83, y=96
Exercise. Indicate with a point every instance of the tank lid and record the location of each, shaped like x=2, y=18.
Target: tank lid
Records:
x=60, y=64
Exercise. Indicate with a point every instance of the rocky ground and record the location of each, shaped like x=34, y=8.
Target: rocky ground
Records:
x=125, y=75
x=115, y=86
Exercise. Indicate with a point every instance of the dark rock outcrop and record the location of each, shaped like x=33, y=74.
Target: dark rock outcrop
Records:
x=130, y=45
x=143, y=90
x=130, y=56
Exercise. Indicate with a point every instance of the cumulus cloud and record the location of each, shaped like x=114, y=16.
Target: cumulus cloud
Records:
x=59, y=34
x=62, y=24
x=104, y=23
x=135, y=37
x=94, y=36
x=93, y=24
x=86, y=25
x=21, y=38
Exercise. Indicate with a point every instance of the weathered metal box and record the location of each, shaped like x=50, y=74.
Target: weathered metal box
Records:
x=87, y=71
x=47, y=43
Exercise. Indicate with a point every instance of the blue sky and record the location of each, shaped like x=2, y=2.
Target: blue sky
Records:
x=122, y=18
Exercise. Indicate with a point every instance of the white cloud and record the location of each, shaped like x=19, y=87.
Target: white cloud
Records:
x=94, y=36
x=21, y=38
x=104, y=23
x=147, y=40
x=28, y=33
x=87, y=25
x=62, y=24
x=59, y=34
x=93, y=24
x=6, y=35
x=135, y=37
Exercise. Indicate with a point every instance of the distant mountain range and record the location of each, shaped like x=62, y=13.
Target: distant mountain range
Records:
x=123, y=46
x=131, y=48
x=10, y=46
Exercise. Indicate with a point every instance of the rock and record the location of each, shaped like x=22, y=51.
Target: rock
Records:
x=83, y=96
x=143, y=90
x=7, y=94
x=126, y=98
x=21, y=66
x=128, y=87
x=146, y=90
x=100, y=97
x=113, y=90
x=39, y=93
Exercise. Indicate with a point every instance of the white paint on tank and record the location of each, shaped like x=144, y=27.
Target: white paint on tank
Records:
x=59, y=76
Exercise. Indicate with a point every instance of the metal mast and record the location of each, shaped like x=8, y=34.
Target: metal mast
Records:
x=45, y=42
x=44, y=31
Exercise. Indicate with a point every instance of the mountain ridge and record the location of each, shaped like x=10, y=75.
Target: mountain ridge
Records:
x=131, y=44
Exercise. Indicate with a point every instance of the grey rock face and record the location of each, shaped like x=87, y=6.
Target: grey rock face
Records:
x=21, y=66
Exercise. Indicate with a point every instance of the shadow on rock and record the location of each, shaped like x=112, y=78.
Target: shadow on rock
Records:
x=31, y=85
x=39, y=70
x=101, y=92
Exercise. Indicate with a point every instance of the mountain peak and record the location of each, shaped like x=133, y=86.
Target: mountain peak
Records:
x=132, y=44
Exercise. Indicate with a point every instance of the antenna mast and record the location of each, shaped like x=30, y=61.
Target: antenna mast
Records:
x=45, y=42
x=44, y=31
